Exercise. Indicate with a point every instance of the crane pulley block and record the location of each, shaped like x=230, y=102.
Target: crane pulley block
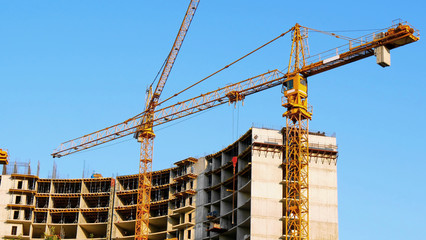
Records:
x=234, y=96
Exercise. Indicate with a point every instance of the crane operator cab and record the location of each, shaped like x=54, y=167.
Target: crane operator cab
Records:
x=295, y=89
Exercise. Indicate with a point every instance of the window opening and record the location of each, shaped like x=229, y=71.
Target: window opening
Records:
x=14, y=230
x=16, y=215
x=288, y=85
x=30, y=200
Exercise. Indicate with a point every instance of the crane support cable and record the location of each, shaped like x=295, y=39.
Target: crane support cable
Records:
x=227, y=66
x=330, y=33
x=211, y=75
x=356, y=30
x=159, y=71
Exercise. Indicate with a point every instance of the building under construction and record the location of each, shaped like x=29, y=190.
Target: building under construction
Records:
x=236, y=193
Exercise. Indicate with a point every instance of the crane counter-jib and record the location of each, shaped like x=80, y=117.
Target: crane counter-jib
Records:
x=359, y=48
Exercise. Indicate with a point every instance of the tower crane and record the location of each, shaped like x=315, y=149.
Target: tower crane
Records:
x=4, y=157
x=145, y=134
x=298, y=113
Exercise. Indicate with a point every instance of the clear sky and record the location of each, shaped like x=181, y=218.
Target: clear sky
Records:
x=68, y=68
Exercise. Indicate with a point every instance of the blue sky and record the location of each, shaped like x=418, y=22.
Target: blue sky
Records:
x=68, y=68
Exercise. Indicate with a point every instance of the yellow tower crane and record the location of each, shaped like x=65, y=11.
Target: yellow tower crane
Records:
x=4, y=157
x=298, y=114
x=145, y=134
x=296, y=188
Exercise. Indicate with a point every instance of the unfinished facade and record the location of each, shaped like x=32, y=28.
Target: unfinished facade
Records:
x=214, y=197
x=173, y=199
x=98, y=208
x=248, y=202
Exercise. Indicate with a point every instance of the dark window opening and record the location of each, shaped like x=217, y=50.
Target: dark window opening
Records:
x=189, y=234
x=31, y=184
x=18, y=200
x=15, y=214
x=20, y=185
x=14, y=230
x=27, y=214
x=288, y=85
x=30, y=200
x=43, y=187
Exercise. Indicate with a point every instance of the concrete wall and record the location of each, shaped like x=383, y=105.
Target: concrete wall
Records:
x=200, y=211
x=266, y=190
x=323, y=191
x=6, y=227
x=6, y=183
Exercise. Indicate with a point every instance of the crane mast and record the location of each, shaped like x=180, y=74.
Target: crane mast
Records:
x=296, y=161
x=298, y=113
